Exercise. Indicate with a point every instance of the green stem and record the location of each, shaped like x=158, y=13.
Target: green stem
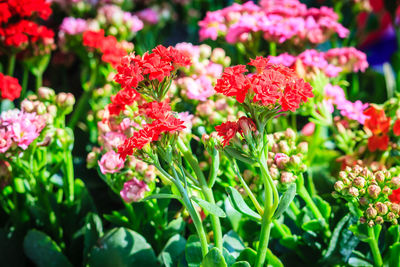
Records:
x=279, y=228
x=373, y=243
x=24, y=85
x=195, y=217
x=69, y=173
x=207, y=192
x=294, y=208
x=303, y=193
x=11, y=64
x=39, y=80
x=83, y=100
x=272, y=49
x=264, y=239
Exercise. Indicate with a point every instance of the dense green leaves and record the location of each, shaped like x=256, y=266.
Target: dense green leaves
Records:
x=214, y=258
x=193, y=251
x=172, y=251
x=43, y=251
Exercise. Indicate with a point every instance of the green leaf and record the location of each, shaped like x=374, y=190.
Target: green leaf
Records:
x=122, y=247
x=357, y=262
x=289, y=242
x=43, y=251
x=323, y=206
x=249, y=255
x=209, y=207
x=240, y=205
x=313, y=225
x=214, y=258
x=394, y=253
x=233, y=243
x=229, y=258
x=19, y=185
x=159, y=196
x=193, y=251
x=6, y=105
x=394, y=234
x=273, y=260
x=285, y=200
x=175, y=246
x=335, y=236
x=93, y=229
x=241, y=264
x=233, y=215
x=176, y=226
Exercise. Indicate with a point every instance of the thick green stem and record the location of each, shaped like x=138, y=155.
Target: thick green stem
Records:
x=69, y=174
x=195, y=217
x=272, y=49
x=82, y=105
x=39, y=80
x=264, y=240
x=207, y=192
x=11, y=64
x=303, y=193
x=373, y=243
x=294, y=208
x=280, y=229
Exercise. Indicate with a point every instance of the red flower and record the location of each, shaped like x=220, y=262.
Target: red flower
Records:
x=260, y=63
x=268, y=87
x=169, y=123
x=129, y=72
x=157, y=67
x=227, y=131
x=379, y=125
x=115, y=109
x=93, y=39
x=233, y=83
x=155, y=110
x=395, y=196
x=9, y=87
x=138, y=140
x=246, y=125
x=396, y=128
x=125, y=97
x=27, y=8
x=5, y=13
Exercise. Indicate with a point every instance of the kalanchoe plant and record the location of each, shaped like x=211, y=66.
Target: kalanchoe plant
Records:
x=272, y=90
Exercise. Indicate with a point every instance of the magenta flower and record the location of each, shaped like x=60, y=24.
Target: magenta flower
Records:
x=110, y=162
x=5, y=141
x=133, y=190
x=73, y=26
x=354, y=111
x=308, y=129
x=113, y=139
x=284, y=59
x=334, y=95
x=149, y=16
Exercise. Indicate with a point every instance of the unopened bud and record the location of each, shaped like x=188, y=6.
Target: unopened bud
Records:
x=281, y=160
x=91, y=159
x=303, y=147
x=45, y=93
x=284, y=147
x=379, y=220
x=353, y=191
x=40, y=108
x=395, y=182
x=346, y=181
x=363, y=220
x=363, y=201
x=290, y=134
x=287, y=177
x=386, y=190
x=295, y=161
x=379, y=177
x=371, y=212
x=342, y=174
x=395, y=208
x=391, y=216
x=274, y=172
x=27, y=106
x=371, y=223
x=335, y=194
x=359, y=182
x=374, y=190
x=381, y=208
x=339, y=186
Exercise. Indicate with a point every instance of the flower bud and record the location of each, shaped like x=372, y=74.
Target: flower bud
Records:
x=45, y=93
x=371, y=212
x=40, y=108
x=342, y=174
x=363, y=220
x=359, y=182
x=290, y=134
x=353, y=191
x=363, y=201
x=303, y=147
x=374, y=190
x=335, y=194
x=27, y=106
x=295, y=161
x=395, y=208
x=381, y=208
x=205, y=51
x=287, y=177
x=275, y=148
x=274, y=172
x=371, y=223
x=339, y=186
x=284, y=147
x=386, y=190
x=391, y=216
x=395, y=182
x=65, y=100
x=379, y=177
x=281, y=160
x=346, y=181
x=379, y=220
x=247, y=175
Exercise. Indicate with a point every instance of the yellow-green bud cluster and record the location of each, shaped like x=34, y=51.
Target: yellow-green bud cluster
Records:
x=369, y=191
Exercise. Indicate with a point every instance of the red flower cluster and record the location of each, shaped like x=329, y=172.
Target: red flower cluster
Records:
x=112, y=51
x=271, y=85
x=379, y=125
x=9, y=87
x=135, y=69
x=163, y=121
x=228, y=130
x=23, y=31
x=152, y=66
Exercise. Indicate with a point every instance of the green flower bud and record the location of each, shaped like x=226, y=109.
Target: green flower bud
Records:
x=359, y=182
x=381, y=208
x=374, y=190
x=379, y=220
x=379, y=177
x=353, y=191
x=339, y=186
x=371, y=212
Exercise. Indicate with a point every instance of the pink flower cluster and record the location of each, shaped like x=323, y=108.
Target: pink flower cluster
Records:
x=133, y=190
x=19, y=129
x=334, y=96
x=198, y=81
x=331, y=62
x=279, y=21
x=114, y=15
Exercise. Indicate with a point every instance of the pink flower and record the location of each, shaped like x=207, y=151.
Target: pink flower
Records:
x=110, y=162
x=113, y=139
x=284, y=59
x=187, y=118
x=133, y=190
x=281, y=160
x=354, y=111
x=148, y=15
x=73, y=26
x=349, y=58
x=199, y=88
x=212, y=25
x=5, y=141
x=308, y=129
x=334, y=95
